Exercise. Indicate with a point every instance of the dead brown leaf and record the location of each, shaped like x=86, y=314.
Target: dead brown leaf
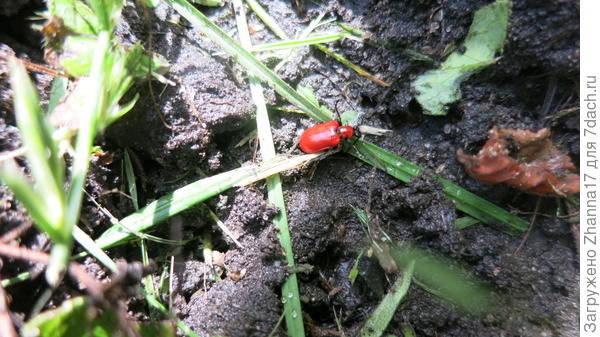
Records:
x=536, y=166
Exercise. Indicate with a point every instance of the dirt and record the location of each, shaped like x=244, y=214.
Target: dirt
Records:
x=177, y=133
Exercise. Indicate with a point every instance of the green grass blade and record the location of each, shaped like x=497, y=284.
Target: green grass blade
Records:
x=192, y=194
x=46, y=167
x=87, y=130
x=131, y=185
x=7, y=282
x=272, y=24
x=381, y=317
x=289, y=289
x=148, y=279
x=353, y=274
x=61, y=251
x=90, y=246
x=11, y=176
x=289, y=44
x=246, y=59
x=466, y=201
x=465, y=221
x=266, y=18
x=155, y=303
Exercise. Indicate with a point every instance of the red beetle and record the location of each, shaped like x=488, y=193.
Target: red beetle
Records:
x=324, y=136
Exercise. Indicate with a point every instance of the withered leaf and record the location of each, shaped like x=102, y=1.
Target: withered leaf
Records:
x=536, y=166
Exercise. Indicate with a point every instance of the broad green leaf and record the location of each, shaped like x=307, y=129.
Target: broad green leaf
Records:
x=75, y=15
x=77, y=54
x=487, y=33
x=350, y=117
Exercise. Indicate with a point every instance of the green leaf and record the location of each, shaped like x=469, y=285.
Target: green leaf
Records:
x=354, y=271
x=108, y=12
x=350, y=117
x=440, y=277
x=77, y=54
x=465, y=222
x=75, y=14
x=486, y=36
x=57, y=92
x=71, y=319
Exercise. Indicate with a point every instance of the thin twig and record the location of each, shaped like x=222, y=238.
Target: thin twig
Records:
x=76, y=270
x=16, y=232
x=147, y=21
x=533, y=217
x=7, y=329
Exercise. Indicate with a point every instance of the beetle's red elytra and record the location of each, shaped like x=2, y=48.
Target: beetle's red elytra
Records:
x=324, y=136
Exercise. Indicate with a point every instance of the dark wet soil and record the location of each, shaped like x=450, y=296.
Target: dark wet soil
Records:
x=177, y=134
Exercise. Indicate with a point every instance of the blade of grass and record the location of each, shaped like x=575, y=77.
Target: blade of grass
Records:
x=295, y=43
x=353, y=274
x=192, y=194
x=61, y=253
x=131, y=185
x=289, y=289
x=148, y=279
x=466, y=201
x=381, y=317
x=47, y=169
x=268, y=20
x=90, y=246
x=272, y=24
x=433, y=274
x=155, y=303
x=16, y=279
x=352, y=66
x=222, y=226
x=252, y=65
x=21, y=187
